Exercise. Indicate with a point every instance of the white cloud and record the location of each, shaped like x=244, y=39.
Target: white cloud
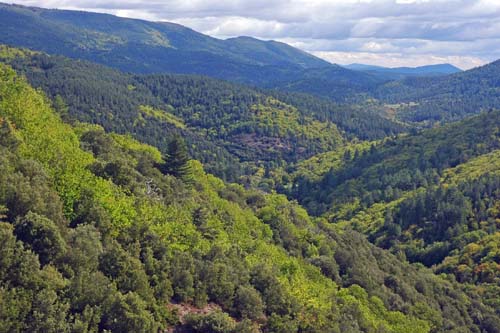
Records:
x=382, y=31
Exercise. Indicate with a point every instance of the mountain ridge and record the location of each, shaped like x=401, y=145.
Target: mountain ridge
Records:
x=95, y=35
x=444, y=68
x=444, y=98
x=149, y=47
x=400, y=73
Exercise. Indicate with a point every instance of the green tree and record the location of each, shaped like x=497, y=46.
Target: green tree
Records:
x=61, y=108
x=42, y=235
x=48, y=313
x=129, y=314
x=248, y=303
x=8, y=137
x=177, y=160
x=214, y=322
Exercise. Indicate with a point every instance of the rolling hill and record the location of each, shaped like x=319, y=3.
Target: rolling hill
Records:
x=432, y=197
x=398, y=73
x=228, y=126
x=160, y=47
x=446, y=98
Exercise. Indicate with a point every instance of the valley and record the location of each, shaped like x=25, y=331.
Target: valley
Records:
x=156, y=179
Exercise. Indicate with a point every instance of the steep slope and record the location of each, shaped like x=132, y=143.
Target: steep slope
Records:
x=432, y=197
x=226, y=125
x=447, y=98
x=365, y=171
x=118, y=241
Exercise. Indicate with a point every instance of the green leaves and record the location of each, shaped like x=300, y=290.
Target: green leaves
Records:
x=42, y=236
x=176, y=161
x=134, y=239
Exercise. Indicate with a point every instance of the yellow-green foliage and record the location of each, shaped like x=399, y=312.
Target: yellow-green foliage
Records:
x=315, y=167
x=374, y=309
x=157, y=38
x=9, y=53
x=230, y=224
x=56, y=146
x=283, y=120
x=371, y=218
x=45, y=137
x=474, y=168
x=148, y=111
x=367, y=220
x=95, y=40
x=129, y=143
x=476, y=261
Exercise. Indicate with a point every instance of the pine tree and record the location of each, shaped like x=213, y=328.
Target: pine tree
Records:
x=177, y=160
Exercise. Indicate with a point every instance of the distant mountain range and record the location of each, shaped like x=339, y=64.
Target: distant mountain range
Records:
x=428, y=93
x=150, y=47
x=159, y=47
x=402, y=72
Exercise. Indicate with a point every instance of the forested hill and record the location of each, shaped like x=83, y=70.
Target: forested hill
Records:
x=102, y=233
x=150, y=197
x=158, y=47
x=444, y=99
x=227, y=126
x=432, y=197
x=149, y=47
x=398, y=73
x=421, y=101
x=143, y=46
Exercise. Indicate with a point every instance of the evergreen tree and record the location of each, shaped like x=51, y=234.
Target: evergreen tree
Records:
x=177, y=160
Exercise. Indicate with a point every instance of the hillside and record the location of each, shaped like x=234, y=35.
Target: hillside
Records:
x=335, y=83
x=399, y=73
x=149, y=47
x=160, y=47
x=229, y=127
x=119, y=241
x=431, y=197
x=108, y=38
x=446, y=98
x=154, y=179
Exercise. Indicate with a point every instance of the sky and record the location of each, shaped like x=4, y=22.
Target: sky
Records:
x=392, y=33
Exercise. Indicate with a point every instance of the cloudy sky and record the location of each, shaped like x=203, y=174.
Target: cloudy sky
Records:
x=391, y=33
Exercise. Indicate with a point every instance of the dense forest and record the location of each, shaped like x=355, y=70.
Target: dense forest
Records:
x=432, y=197
x=321, y=199
x=99, y=235
x=140, y=46
x=232, y=129
x=446, y=98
